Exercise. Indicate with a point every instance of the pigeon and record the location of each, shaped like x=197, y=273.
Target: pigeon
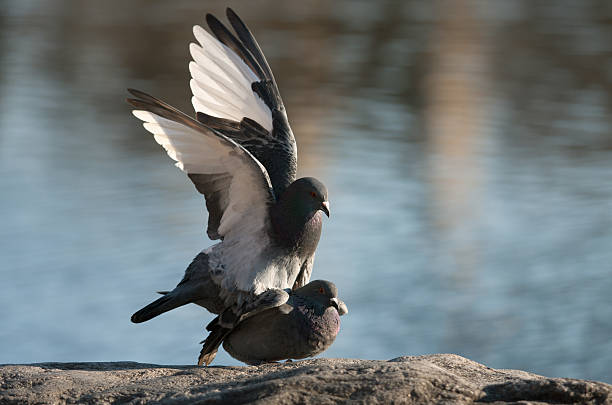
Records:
x=304, y=325
x=240, y=153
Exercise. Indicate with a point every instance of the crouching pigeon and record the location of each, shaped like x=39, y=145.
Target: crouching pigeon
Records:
x=241, y=154
x=303, y=325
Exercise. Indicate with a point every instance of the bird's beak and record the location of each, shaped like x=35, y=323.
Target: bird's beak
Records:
x=339, y=305
x=342, y=308
x=325, y=207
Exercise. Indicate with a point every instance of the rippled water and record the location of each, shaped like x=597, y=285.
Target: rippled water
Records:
x=467, y=146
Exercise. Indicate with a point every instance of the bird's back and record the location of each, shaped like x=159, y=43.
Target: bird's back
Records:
x=294, y=330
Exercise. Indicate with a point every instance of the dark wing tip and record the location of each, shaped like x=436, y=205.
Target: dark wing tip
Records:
x=136, y=318
x=211, y=325
x=137, y=93
x=223, y=34
x=132, y=101
x=213, y=22
x=141, y=97
x=235, y=20
x=142, y=104
x=231, y=14
x=250, y=43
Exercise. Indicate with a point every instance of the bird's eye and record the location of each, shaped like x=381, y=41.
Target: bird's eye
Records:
x=313, y=194
x=321, y=291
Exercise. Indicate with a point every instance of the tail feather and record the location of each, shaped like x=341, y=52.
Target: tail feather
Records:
x=157, y=307
x=212, y=343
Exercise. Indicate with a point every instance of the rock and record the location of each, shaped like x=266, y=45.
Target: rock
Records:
x=438, y=378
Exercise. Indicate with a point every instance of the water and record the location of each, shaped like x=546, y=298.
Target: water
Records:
x=467, y=148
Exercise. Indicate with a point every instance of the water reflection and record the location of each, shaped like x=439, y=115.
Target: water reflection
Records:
x=466, y=145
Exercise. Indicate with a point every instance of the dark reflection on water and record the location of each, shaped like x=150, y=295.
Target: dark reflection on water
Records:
x=467, y=146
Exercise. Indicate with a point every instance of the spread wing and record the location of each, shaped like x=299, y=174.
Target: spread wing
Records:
x=236, y=186
x=235, y=93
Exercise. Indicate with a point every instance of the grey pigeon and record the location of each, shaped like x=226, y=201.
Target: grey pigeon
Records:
x=241, y=155
x=304, y=325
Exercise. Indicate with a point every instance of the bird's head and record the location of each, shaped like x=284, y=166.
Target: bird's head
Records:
x=296, y=215
x=311, y=195
x=323, y=292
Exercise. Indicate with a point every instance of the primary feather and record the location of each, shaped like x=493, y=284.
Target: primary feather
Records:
x=221, y=82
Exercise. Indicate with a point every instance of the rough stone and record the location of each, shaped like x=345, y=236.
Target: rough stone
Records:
x=431, y=379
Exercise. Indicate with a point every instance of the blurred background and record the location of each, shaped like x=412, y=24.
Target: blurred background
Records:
x=467, y=146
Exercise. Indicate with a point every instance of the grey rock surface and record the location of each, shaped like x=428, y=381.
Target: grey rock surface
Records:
x=431, y=379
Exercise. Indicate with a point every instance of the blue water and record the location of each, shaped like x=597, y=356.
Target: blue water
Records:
x=467, y=148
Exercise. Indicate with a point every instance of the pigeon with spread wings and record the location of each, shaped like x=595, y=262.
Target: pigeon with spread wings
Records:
x=241, y=155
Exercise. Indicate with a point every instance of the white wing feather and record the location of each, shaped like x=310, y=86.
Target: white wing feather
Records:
x=221, y=82
x=245, y=221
